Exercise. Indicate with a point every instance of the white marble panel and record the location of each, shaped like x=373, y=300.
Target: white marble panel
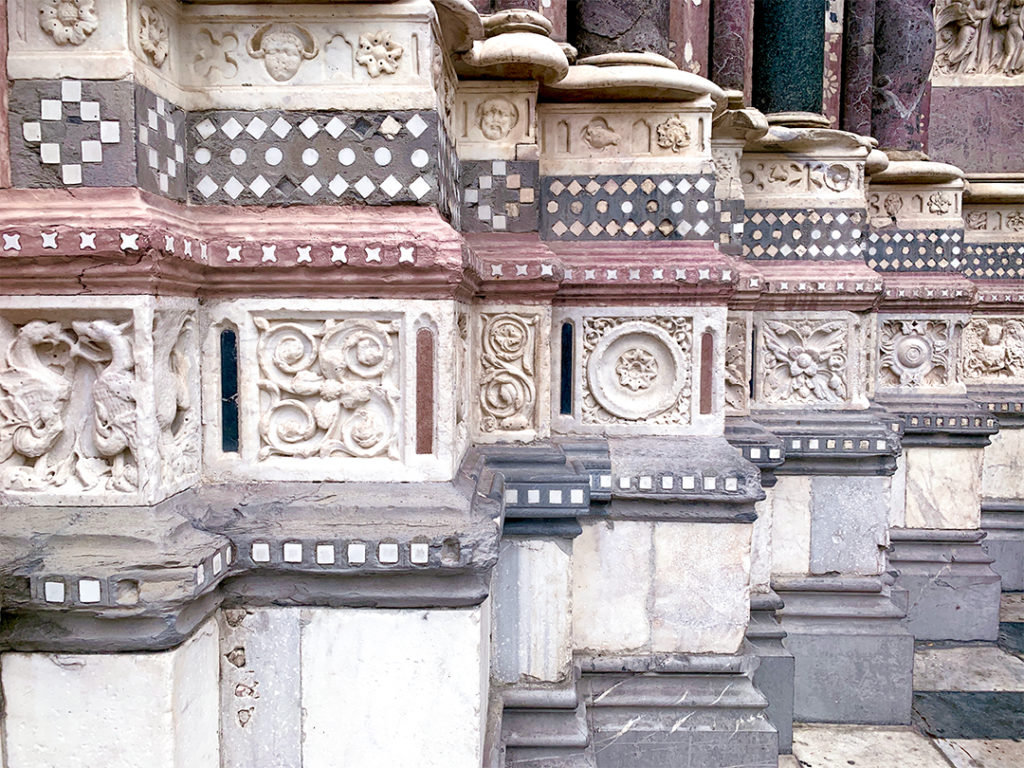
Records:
x=701, y=587
x=394, y=687
x=943, y=487
x=1003, y=467
x=612, y=580
x=791, y=525
x=761, y=544
x=114, y=710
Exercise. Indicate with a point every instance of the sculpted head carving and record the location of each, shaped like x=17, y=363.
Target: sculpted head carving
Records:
x=496, y=118
x=283, y=48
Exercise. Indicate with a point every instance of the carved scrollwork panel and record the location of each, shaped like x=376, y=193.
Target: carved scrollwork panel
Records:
x=737, y=376
x=328, y=388
x=507, y=382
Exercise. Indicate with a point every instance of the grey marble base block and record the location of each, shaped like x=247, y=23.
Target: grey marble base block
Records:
x=1003, y=521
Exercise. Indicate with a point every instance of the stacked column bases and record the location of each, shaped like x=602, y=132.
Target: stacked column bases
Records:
x=393, y=384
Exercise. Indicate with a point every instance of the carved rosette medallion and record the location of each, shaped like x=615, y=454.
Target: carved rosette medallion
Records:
x=914, y=353
x=673, y=134
x=993, y=350
x=328, y=388
x=637, y=370
x=68, y=22
x=803, y=362
x=737, y=387
x=378, y=53
x=508, y=386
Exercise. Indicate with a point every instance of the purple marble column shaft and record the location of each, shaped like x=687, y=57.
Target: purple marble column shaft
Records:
x=858, y=65
x=731, y=43
x=904, y=50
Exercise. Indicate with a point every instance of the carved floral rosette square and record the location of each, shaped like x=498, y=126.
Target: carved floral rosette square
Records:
x=639, y=371
x=99, y=400
x=511, y=375
x=809, y=361
x=916, y=352
x=337, y=390
x=992, y=351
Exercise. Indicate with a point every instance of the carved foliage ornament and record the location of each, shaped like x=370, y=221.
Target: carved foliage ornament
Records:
x=914, y=353
x=68, y=22
x=378, y=53
x=637, y=370
x=283, y=48
x=508, y=390
x=328, y=388
x=737, y=387
x=979, y=37
x=153, y=34
x=803, y=361
x=673, y=134
x=993, y=349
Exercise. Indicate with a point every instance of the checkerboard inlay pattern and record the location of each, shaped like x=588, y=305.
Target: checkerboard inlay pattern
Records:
x=160, y=144
x=836, y=235
x=916, y=250
x=499, y=196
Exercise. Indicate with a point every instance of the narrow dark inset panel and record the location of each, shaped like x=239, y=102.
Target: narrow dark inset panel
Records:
x=566, y=380
x=424, y=391
x=1011, y=637
x=707, y=361
x=971, y=714
x=229, y=391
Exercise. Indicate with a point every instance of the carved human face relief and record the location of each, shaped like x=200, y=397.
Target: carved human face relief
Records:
x=283, y=48
x=497, y=117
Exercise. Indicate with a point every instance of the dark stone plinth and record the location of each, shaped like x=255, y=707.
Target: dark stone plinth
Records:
x=789, y=55
x=953, y=591
x=677, y=710
x=858, y=65
x=731, y=44
x=774, y=675
x=609, y=26
x=904, y=50
x=854, y=658
x=1003, y=521
x=977, y=128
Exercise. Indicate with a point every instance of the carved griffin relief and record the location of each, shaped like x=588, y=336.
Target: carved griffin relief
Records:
x=328, y=388
x=68, y=415
x=993, y=349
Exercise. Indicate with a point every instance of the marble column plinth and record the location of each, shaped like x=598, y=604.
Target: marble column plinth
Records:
x=904, y=50
x=1003, y=521
x=775, y=674
x=789, y=55
x=854, y=658
x=952, y=591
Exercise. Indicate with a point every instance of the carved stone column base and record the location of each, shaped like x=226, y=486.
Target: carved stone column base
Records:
x=774, y=675
x=546, y=728
x=953, y=593
x=1003, y=522
x=854, y=658
x=677, y=710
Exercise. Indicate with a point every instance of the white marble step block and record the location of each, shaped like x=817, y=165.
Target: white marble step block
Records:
x=114, y=710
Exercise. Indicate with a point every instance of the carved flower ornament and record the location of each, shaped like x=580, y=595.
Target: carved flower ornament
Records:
x=68, y=21
x=636, y=369
x=378, y=53
x=153, y=36
x=806, y=362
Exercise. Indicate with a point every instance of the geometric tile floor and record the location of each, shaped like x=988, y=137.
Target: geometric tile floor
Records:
x=968, y=711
